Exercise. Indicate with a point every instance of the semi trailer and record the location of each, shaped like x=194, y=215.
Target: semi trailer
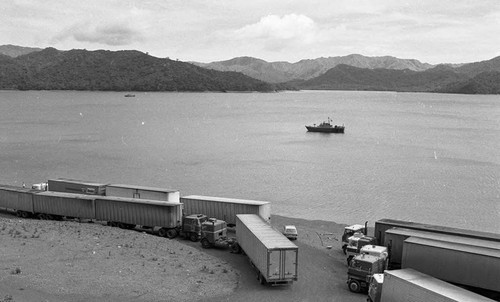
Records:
x=408, y=285
x=67, y=185
x=225, y=208
x=274, y=257
x=394, y=240
x=142, y=192
x=472, y=266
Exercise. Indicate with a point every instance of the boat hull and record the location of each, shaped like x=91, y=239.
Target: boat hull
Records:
x=335, y=129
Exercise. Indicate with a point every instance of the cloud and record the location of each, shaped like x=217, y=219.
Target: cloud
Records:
x=113, y=34
x=277, y=32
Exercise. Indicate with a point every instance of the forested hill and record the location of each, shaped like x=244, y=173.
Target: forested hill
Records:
x=52, y=69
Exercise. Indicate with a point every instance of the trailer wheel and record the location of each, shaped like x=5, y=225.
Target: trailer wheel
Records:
x=205, y=243
x=236, y=248
x=162, y=232
x=261, y=278
x=193, y=237
x=171, y=233
x=354, y=286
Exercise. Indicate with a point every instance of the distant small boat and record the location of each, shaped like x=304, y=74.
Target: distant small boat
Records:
x=326, y=127
x=130, y=95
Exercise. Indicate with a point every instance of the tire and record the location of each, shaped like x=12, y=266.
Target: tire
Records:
x=205, y=243
x=162, y=232
x=236, y=248
x=25, y=214
x=171, y=233
x=193, y=237
x=42, y=216
x=262, y=280
x=354, y=286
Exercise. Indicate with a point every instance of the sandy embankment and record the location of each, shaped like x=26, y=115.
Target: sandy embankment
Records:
x=71, y=261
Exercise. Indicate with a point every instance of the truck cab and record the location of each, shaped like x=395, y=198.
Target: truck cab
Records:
x=361, y=269
x=350, y=231
x=356, y=243
x=375, y=288
x=213, y=232
x=191, y=226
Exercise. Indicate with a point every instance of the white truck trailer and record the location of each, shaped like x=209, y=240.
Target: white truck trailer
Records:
x=225, y=208
x=142, y=192
x=408, y=285
x=458, y=263
x=270, y=252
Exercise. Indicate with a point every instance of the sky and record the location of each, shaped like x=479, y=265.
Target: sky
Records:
x=431, y=31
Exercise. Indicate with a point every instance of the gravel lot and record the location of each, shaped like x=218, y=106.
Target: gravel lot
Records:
x=72, y=261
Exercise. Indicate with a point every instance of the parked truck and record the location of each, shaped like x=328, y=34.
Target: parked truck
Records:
x=394, y=240
x=408, y=285
x=473, y=266
x=142, y=192
x=225, y=208
x=67, y=185
x=361, y=269
x=350, y=231
x=214, y=234
x=274, y=257
x=356, y=242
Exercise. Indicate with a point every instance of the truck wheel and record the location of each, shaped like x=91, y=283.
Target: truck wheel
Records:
x=354, y=286
x=193, y=237
x=171, y=233
x=236, y=248
x=162, y=232
x=205, y=243
x=262, y=280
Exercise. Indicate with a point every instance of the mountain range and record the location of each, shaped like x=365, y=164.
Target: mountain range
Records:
x=32, y=68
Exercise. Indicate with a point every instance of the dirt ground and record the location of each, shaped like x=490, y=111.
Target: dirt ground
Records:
x=79, y=261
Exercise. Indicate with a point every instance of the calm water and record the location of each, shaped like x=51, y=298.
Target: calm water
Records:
x=424, y=157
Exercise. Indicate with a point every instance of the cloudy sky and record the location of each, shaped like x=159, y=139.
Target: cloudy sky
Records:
x=432, y=31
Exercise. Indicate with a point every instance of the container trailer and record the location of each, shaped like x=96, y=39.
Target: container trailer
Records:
x=17, y=199
x=163, y=217
x=408, y=285
x=274, y=257
x=383, y=225
x=142, y=192
x=55, y=205
x=394, y=240
x=225, y=208
x=473, y=266
x=67, y=185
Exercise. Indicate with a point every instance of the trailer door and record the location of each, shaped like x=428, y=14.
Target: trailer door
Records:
x=290, y=264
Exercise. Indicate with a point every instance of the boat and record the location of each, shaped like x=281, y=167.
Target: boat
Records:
x=130, y=95
x=326, y=127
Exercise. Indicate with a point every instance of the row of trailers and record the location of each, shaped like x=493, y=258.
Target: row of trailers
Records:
x=125, y=206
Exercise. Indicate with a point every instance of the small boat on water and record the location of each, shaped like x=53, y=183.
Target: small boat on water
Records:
x=129, y=95
x=326, y=127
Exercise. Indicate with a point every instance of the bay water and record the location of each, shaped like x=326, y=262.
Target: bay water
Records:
x=431, y=158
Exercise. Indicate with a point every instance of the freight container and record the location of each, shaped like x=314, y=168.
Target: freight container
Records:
x=270, y=252
x=474, y=266
x=408, y=285
x=225, y=208
x=383, y=225
x=129, y=212
x=142, y=192
x=18, y=199
x=53, y=205
x=76, y=186
x=394, y=240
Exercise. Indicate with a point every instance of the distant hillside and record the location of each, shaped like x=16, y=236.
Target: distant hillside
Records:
x=51, y=69
x=484, y=83
x=473, y=69
x=16, y=51
x=278, y=72
x=345, y=77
